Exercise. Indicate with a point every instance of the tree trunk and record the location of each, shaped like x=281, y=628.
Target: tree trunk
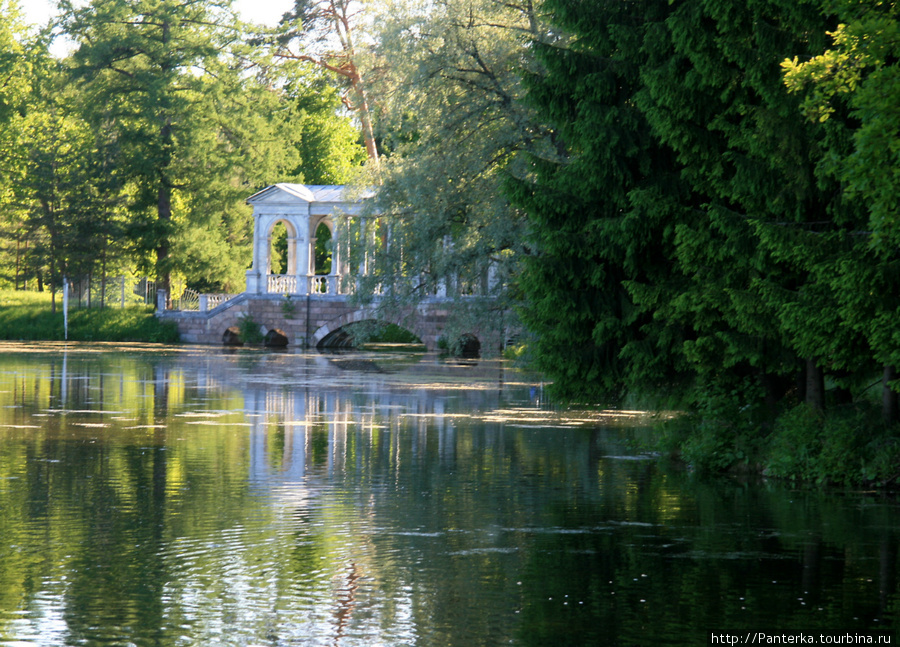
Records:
x=365, y=120
x=772, y=398
x=17, y=264
x=24, y=269
x=103, y=280
x=889, y=399
x=164, y=215
x=815, y=385
x=52, y=286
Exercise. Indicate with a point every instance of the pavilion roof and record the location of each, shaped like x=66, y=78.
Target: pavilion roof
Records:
x=328, y=193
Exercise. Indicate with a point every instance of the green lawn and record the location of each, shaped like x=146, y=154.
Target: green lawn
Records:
x=27, y=316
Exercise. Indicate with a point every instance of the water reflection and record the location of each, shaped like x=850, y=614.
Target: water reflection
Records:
x=177, y=496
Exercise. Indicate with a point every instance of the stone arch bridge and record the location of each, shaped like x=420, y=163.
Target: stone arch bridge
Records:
x=315, y=321
x=320, y=305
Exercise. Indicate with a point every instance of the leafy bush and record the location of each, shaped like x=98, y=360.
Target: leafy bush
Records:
x=250, y=330
x=795, y=445
x=369, y=332
x=847, y=445
x=288, y=307
x=393, y=334
x=722, y=433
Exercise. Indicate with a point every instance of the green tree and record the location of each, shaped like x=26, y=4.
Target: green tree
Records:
x=689, y=215
x=15, y=63
x=15, y=70
x=62, y=188
x=329, y=148
x=602, y=210
x=714, y=95
x=451, y=123
x=196, y=134
x=68, y=191
x=859, y=75
x=860, y=72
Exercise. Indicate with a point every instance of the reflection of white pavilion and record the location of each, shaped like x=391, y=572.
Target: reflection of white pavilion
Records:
x=304, y=210
x=362, y=407
x=302, y=414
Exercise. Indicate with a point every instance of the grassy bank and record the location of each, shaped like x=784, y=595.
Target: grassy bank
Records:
x=844, y=445
x=27, y=316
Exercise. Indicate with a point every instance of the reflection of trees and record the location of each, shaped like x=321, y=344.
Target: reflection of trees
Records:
x=310, y=501
x=96, y=490
x=607, y=551
x=698, y=558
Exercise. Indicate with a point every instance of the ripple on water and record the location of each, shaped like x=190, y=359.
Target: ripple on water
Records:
x=474, y=522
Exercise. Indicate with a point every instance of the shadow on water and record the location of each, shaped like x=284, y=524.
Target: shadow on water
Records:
x=171, y=496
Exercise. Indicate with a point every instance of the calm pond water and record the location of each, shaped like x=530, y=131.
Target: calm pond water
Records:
x=163, y=496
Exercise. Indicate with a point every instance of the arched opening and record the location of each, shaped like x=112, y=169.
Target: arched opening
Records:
x=340, y=339
x=369, y=334
x=323, y=249
x=278, y=248
x=469, y=346
x=232, y=337
x=276, y=338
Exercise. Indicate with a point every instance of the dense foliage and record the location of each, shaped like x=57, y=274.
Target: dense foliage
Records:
x=696, y=233
x=688, y=198
x=134, y=153
x=446, y=80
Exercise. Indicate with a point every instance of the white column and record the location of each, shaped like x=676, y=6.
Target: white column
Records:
x=339, y=257
x=311, y=272
x=311, y=256
x=491, y=277
x=291, y=255
x=364, y=253
x=301, y=262
x=256, y=282
x=335, y=246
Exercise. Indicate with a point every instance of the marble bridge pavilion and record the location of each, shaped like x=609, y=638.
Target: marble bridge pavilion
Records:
x=322, y=304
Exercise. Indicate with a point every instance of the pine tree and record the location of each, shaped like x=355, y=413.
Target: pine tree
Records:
x=713, y=93
x=684, y=235
x=196, y=134
x=603, y=211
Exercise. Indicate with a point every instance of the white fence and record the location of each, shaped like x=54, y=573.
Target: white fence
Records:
x=110, y=292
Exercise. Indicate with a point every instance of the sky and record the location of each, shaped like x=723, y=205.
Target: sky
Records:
x=267, y=12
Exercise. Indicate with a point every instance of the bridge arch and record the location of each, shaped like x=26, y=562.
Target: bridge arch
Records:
x=332, y=329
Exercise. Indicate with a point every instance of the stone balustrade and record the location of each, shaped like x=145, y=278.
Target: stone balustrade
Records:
x=282, y=284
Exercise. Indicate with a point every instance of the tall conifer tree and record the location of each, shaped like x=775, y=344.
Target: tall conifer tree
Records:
x=687, y=224
x=196, y=133
x=714, y=94
x=603, y=211
x=859, y=75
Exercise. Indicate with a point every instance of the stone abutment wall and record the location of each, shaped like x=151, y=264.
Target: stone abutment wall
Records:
x=311, y=320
